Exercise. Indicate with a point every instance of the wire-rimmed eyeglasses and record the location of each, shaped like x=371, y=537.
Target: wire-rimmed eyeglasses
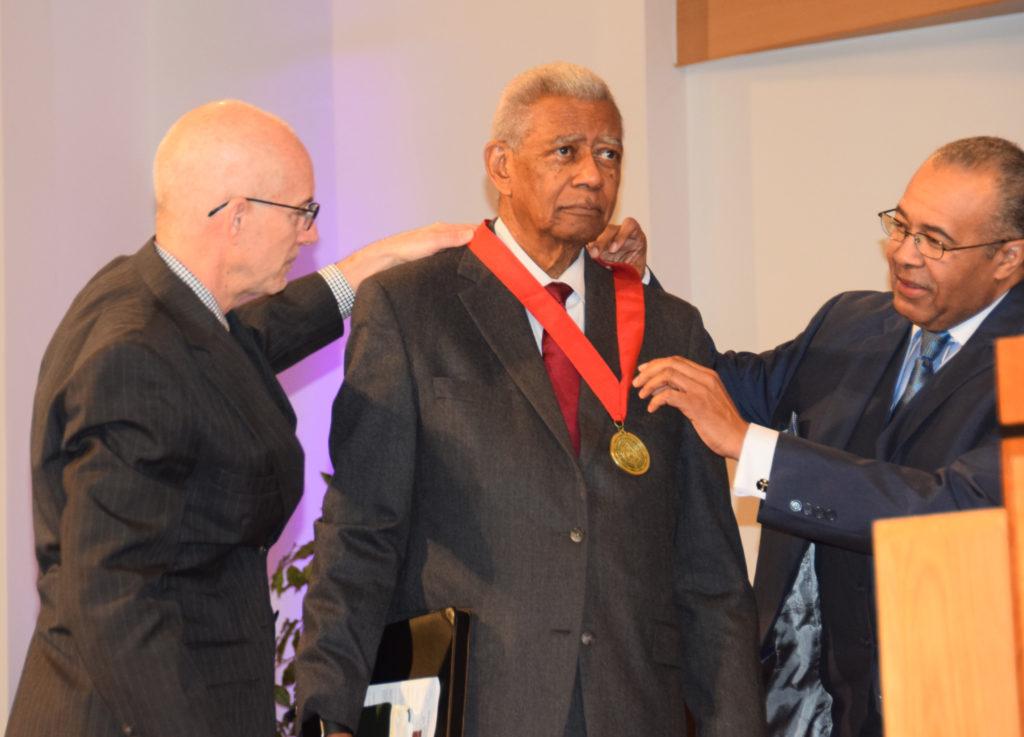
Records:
x=926, y=245
x=309, y=212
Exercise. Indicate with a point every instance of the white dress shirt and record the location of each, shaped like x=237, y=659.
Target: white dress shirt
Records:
x=758, y=452
x=573, y=276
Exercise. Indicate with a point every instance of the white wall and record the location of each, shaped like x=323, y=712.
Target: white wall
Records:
x=4, y=675
x=416, y=86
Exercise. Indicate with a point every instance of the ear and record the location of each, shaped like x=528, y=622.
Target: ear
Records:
x=1009, y=258
x=496, y=160
x=235, y=213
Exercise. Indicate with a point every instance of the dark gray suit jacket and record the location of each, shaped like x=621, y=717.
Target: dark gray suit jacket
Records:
x=849, y=467
x=164, y=464
x=456, y=485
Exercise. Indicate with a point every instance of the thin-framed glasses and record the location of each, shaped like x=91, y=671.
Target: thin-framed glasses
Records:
x=309, y=212
x=926, y=245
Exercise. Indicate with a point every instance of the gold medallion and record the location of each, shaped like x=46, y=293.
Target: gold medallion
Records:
x=629, y=453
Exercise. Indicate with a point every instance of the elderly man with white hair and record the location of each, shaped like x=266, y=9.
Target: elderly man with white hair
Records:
x=489, y=455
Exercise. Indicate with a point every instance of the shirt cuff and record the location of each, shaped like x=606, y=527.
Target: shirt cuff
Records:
x=340, y=287
x=755, y=462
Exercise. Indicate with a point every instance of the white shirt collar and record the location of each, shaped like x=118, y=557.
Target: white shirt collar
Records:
x=573, y=276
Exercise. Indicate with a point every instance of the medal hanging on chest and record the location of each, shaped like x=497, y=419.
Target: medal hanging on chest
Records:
x=627, y=451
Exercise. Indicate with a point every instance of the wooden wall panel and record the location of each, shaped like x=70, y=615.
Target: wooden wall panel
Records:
x=711, y=29
x=1010, y=395
x=945, y=625
x=1010, y=378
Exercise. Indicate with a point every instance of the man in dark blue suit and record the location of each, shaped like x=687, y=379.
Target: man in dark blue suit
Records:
x=886, y=408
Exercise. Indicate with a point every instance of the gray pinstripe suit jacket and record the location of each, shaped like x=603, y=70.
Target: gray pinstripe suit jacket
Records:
x=456, y=484
x=164, y=463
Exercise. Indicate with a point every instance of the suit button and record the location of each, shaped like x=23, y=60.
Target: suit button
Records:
x=795, y=505
x=830, y=515
x=576, y=535
x=587, y=638
x=264, y=549
x=126, y=730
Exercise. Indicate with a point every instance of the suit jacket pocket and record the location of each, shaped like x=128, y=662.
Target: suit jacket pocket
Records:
x=666, y=644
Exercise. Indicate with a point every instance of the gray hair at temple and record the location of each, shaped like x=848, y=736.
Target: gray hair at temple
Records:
x=1003, y=157
x=558, y=79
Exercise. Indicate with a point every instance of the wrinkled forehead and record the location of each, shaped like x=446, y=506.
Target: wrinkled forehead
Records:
x=553, y=118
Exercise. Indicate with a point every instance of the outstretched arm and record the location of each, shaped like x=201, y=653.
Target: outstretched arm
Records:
x=407, y=246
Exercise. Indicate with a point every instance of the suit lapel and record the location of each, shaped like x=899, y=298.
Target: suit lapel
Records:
x=860, y=381
x=601, y=331
x=502, y=322
x=977, y=357
x=227, y=365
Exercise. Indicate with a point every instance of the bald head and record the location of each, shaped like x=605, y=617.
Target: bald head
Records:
x=218, y=151
x=230, y=182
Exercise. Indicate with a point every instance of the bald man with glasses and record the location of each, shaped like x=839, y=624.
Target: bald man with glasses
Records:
x=164, y=455
x=884, y=406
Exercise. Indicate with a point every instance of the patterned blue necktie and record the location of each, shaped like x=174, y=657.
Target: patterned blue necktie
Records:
x=932, y=345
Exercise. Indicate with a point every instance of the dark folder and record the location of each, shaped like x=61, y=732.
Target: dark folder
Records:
x=428, y=646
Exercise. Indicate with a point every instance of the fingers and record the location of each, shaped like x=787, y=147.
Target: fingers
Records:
x=446, y=235
x=673, y=372
x=698, y=393
x=629, y=233
x=604, y=246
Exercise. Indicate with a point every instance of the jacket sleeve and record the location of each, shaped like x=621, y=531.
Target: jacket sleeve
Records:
x=833, y=496
x=757, y=381
x=294, y=323
x=360, y=539
x=126, y=430
x=722, y=674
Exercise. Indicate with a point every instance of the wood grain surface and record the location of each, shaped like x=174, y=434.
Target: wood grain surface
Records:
x=946, y=627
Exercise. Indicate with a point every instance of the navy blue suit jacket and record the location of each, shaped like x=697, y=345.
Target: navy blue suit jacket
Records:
x=939, y=453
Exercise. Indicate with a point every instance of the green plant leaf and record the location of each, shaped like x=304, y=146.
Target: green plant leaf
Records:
x=288, y=626
x=281, y=696
x=288, y=677
x=296, y=579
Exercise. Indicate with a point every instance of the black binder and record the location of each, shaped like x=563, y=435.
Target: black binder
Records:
x=431, y=645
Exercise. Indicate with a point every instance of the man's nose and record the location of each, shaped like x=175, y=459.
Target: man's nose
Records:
x=588, y=173
x=906, y=251
x=309, y=237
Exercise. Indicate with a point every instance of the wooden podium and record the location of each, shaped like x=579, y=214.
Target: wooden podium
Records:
x=950, y=590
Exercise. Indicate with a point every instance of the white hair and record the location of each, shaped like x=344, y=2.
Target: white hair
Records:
x=558, y=79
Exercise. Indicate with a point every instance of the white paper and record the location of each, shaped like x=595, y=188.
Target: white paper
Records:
x=414, y=705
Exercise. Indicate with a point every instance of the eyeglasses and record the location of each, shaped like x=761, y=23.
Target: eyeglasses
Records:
x=926, y=245
x=309, y=212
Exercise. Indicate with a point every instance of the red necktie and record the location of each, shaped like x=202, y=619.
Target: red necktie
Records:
x=565, y=380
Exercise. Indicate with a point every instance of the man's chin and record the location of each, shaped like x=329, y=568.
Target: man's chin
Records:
x=581, y=234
